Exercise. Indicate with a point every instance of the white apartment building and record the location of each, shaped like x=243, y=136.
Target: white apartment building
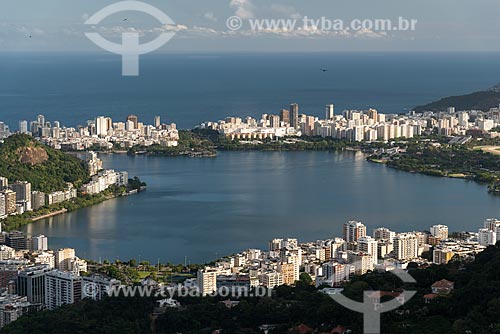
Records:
x=62, y=288
x=406, y=246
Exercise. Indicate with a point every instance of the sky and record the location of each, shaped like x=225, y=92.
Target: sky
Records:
x=201, y=25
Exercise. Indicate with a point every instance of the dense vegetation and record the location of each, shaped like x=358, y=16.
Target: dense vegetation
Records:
x=473, y=307
x=483, y=100
x=48, y=176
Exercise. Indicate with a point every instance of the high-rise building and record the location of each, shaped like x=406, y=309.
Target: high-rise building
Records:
x=330, y=111
x=373, y=114
x=103, y=125
x=157, y=121
x=439, y=231
x=63, y=258
x=369, y=245
x=353, y=230
x=133, y=119
x=16, y=240
x=294, y=115
x=62, y=288
x=37, y=200
x=207, y=281
x=274, y=121
x=285, y=116
x=4, y=183
x=3, y=211
x=22, y=190
x=362, y=262
x=23, y=126
x=406, y=246
x=383, y=233
x=287, y=271
x=31, y=283
x=10, y=201
x=40, y=243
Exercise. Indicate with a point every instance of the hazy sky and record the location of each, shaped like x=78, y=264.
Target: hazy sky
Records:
x=443, y=25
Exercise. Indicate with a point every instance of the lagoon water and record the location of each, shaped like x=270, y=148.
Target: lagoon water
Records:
x=206, y=207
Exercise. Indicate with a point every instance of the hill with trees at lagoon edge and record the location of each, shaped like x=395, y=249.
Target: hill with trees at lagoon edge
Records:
x=22, y=158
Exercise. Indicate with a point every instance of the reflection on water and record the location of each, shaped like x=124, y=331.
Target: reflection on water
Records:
x=203, y=207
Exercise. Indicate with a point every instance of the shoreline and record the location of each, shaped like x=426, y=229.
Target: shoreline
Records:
x=48, y=215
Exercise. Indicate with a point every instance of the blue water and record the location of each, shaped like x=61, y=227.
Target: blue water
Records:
x=204, y=208
x=191, y=88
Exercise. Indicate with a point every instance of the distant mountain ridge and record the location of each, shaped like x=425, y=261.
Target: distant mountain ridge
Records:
x=482, y=100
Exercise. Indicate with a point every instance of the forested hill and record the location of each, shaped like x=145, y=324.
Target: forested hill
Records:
x=483, y=100
x=22, y=158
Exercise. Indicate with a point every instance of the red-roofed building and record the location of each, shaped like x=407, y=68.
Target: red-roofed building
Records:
x=443, y=287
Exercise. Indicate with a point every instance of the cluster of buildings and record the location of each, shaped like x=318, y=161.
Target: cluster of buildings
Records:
x=358, y=125
x=331, y=262
x=100, y=132
x=33, y=277
x=17, y=198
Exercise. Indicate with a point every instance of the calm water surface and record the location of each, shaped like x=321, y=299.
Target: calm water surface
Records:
x=204, y=208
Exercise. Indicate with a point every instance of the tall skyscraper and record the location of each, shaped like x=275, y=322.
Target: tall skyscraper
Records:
x=133, y=119
x=157, y=121
x=330, y=111
x=103, y=125
x=40, y=243
x=285, y=116
x=353, y=230
x=294, y=115
x=23, y=126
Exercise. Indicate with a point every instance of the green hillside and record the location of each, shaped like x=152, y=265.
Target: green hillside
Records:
x=475, y=101
x=25, y=159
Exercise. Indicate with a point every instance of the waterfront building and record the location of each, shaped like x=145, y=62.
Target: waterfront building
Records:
x=39, y=243
x=10, y=201
x=285, y=116
x=16, y=240
x=353, y=230
x=37, y=200
x=294, y=115
x=330, y=112
x=62, y=288
x=3, y=212
x=63, y=258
